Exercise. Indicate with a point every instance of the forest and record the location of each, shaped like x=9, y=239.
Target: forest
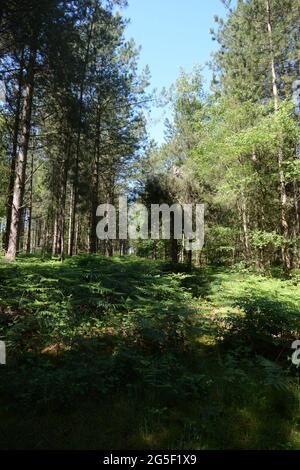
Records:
x=134, y=343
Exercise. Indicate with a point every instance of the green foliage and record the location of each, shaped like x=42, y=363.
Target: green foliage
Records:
x=100, y=317
x=219, y=245
x=189, y=352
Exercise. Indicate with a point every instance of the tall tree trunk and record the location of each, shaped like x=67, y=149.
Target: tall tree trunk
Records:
x=76, y=237
x=244, y=215
x=77, y=158
x=173, y=241
x=71, y=222
x=20, y=172
x=286, y=257
x=95, y=189
x=296, y=224
x=45, y=225
x=61, y=222
x=11, y=183
x=63, y=195
x=28, y=243
x=55, y=235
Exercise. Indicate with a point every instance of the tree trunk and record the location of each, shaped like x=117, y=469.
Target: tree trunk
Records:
x=21, y=162
x=10, y=192
x=76, y=237
x=71, y=223
x=296, y=224
x=95, y=189
x=63, y=195
x=55, y=236
x=244, y=215
x=76, y=179
x=286, y=257
x=173, y=241
x=28, y=243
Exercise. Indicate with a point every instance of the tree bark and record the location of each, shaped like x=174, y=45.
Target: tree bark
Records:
x=70, y=223
x=28, y=243
x=296, y=224
x=76, y=179
x=14, y=153
x=95, y=188
x=63, y=195
x=20, y=172
x=286, y=257
x=245, y=226
x=55, y=235
x=173, y=241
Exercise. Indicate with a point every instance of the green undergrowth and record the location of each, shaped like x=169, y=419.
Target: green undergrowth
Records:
x=131, y=353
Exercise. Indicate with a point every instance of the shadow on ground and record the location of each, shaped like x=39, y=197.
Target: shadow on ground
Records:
x=115, y=353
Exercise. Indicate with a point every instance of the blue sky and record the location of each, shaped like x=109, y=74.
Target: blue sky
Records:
x=173, y=34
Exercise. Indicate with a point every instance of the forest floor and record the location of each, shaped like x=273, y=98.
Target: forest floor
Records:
x=126, y=353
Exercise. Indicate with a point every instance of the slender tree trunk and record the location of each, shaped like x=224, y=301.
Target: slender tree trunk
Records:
x=55, y=235
x=28, y=243
x=76, y=237
x=173, y=241
x=95, y=189
x=286, y=258
x=71, y=223
x=244, y=215
x=93, y=218
x=38, y=235
x=76, y=179
x=14, y=153
x=109, y=244
x=296, y=224
x=44, y=236
x=21, y=162
x=63, y=195
x=62, y=223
